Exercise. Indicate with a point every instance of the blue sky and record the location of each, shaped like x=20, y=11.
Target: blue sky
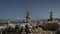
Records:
x=39, y=9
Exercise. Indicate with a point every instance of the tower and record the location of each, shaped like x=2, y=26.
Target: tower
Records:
x=51, y=18
x=8, y=21
x=27, y=18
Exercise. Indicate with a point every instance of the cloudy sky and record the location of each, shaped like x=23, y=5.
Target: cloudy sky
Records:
x=39, y=9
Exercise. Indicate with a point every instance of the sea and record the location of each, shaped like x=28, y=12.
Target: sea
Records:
x=2, y=24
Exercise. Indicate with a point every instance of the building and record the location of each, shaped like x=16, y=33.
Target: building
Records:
x=27, y=18
x=51, y=18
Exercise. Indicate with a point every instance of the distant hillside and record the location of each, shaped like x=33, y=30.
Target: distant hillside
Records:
x=3, y=21
x=17, y=21
x=22, y=21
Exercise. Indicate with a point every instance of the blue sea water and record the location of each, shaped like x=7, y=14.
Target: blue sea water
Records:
x=2, y=24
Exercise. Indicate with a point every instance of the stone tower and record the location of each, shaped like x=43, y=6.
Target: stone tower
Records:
x=8, y=21
x=27, y=18
x=51, y=18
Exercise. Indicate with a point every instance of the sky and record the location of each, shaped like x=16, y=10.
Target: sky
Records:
x=39, y=9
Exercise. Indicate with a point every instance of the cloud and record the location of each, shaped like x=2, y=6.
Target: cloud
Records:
x=18, y=18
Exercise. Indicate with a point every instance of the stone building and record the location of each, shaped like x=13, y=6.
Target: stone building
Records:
x=51, y=18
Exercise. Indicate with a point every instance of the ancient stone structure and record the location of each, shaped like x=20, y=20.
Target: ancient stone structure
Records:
x=27, y=18
x=51, y=18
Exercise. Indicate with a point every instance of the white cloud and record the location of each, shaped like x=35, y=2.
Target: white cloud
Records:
x=18, y=18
